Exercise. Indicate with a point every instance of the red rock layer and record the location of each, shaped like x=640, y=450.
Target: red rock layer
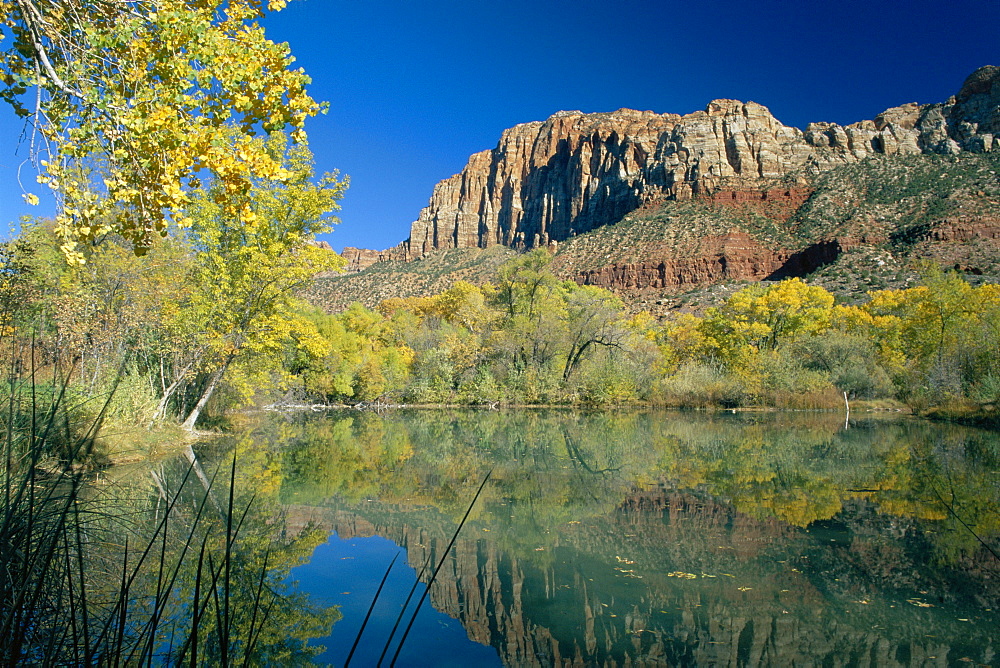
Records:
x=734, y=256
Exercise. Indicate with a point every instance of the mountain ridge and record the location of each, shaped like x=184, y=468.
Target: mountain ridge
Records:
x=549, y=183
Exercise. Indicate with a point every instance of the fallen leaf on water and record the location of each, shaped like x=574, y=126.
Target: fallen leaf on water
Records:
x=919, y=603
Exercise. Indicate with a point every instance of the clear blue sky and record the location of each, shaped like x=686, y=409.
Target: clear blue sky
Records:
x=416, y=87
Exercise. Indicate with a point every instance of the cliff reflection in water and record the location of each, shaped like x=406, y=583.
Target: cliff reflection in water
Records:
x=676, y=539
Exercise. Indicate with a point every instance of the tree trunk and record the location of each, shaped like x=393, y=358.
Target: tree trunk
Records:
x=168, y=392
x=206, y=483
x=213, y=382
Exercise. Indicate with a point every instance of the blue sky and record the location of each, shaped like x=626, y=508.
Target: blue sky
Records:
x=414, y=88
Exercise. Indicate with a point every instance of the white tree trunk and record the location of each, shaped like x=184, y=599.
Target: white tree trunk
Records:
x=213, y=382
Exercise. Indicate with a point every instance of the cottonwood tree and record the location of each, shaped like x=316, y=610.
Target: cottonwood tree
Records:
x=943, y=333
x=762, y=316
x=241, y=310
x=594, y=319
x=145, y=94
x=533, y=304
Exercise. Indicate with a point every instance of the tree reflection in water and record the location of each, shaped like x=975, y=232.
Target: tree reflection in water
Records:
x=674, y=538
x=181, y=565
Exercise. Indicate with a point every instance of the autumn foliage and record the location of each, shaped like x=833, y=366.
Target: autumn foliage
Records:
x=129, y=105
x=530, y=338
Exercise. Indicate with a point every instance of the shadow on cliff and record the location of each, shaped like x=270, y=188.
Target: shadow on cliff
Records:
x=561, y=201
x=802, y=263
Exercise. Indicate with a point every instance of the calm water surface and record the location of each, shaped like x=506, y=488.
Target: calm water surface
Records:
x=650, y=538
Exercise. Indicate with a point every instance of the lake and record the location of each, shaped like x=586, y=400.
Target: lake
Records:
x=642, y=537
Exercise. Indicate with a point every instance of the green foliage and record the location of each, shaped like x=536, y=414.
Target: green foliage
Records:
x=529, y=338
x=241, y=308
x=213, y=308
x=214, y=314
x=849, y=361
x=533, y=339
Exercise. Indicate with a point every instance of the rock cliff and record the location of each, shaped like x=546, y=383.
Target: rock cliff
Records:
x=652, y=205
x=550, y=180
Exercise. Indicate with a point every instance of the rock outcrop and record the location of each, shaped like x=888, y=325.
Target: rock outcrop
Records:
x=731, y=257
x=655, y=206
x=548, y=181
x=359, y=259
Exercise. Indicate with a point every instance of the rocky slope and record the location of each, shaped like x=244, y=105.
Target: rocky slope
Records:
x=652, y=205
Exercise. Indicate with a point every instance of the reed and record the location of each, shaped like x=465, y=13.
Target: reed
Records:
x=87, y=579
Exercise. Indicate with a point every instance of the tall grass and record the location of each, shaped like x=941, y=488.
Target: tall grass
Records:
x=90, y=579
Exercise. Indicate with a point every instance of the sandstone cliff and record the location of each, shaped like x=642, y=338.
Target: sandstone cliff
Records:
x=652, y=206
x=575, y=172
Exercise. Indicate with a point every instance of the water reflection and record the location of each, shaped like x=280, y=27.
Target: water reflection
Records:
x=174, y=564
x=674, y=539
x=360, y=563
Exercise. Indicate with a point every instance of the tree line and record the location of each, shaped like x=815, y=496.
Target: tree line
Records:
x=530, y=338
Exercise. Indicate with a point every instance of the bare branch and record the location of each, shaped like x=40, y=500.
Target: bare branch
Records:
x=34, y=20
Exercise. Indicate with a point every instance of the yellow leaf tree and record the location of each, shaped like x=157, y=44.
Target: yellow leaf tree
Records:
x=143, y=95
x=761, y=316
x=242, y=310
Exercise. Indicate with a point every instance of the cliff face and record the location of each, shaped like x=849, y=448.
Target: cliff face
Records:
x=655, y=205
x=732, y=257
x=548, y=181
